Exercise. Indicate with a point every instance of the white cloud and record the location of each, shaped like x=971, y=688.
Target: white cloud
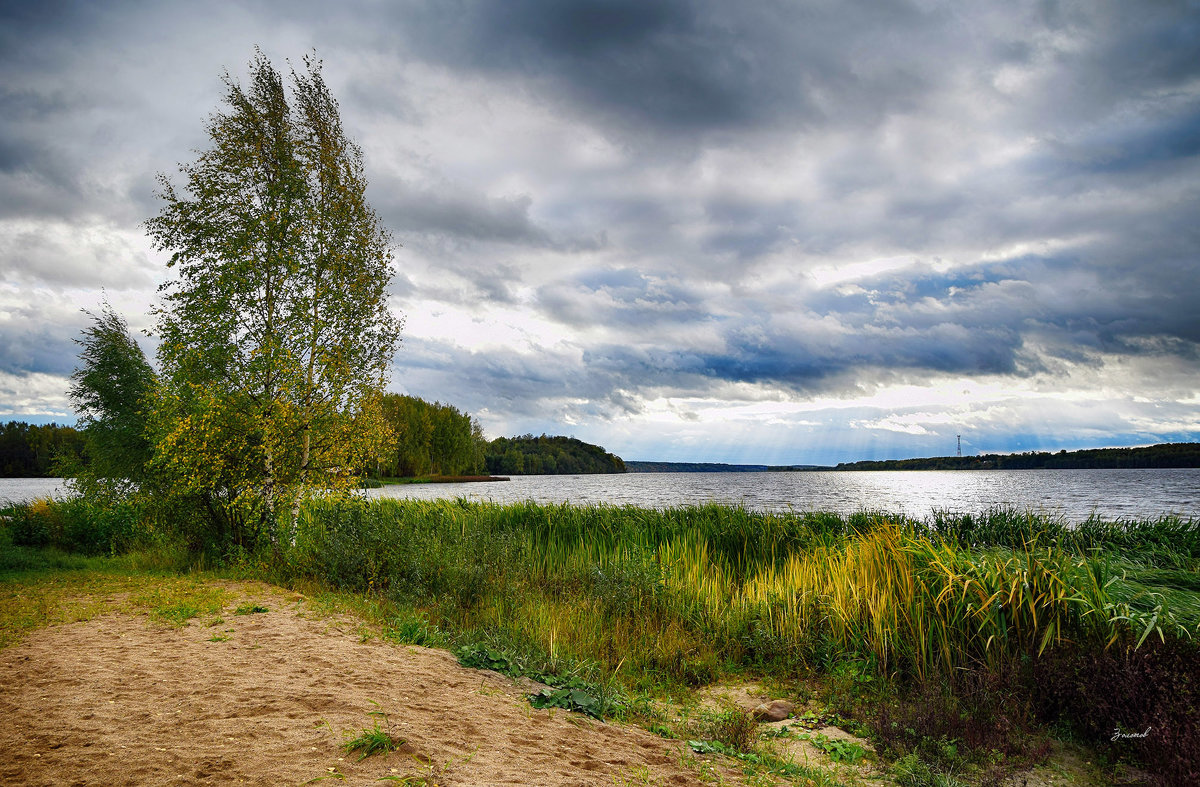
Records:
x=34, y=395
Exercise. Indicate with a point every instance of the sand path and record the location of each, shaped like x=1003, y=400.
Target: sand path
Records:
x=121, y=699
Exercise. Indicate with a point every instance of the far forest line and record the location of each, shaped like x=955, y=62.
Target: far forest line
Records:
x=431, y=440
x=1164, y=455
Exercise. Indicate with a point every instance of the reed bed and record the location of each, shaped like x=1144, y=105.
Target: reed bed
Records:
x=683, y=593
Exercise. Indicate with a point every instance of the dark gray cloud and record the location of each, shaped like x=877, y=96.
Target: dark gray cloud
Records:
x=622, y=298
x=679, y=67
x=36, y=339
x=970, y=321
x=458, y=214
x=622, y=204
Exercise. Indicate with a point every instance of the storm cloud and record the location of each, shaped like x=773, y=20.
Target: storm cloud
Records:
x=772, y=232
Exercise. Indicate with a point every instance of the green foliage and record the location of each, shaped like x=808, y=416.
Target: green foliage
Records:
x=177, y=614
x=78, y=524
x=529, y=455
x=372, y=741
x=735, y=730
x=760, y=762
x=376, y=740
x=986, y=613
x=679, y=596
x=250, y=609
x=912, y=771
x=431, y=439
x=413, y=631
x=838, y=749
x=480, y=657
x=629, y=584
x=572, y=699
x=276, y=336
x=18, y=560
x=112, y=391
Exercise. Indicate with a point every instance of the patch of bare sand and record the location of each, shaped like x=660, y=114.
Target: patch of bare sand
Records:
x=123, y=700
x=731, y=696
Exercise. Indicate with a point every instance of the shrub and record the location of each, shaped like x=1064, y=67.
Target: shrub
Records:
x=35, y=524
x=985, y=712
x=95, y=529
x=76, y=524
x=735, y=730
x=1130, y=703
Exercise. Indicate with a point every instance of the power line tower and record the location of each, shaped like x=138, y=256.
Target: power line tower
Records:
x=959, y=444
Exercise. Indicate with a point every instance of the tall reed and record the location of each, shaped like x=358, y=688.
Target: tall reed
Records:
x=679, y=591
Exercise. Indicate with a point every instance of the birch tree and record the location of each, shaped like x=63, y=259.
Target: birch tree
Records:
x=276, y=337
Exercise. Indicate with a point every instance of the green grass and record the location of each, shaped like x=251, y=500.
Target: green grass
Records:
x=376, y=740
x=652, y=602
x=372, y=741
x=45, y=587
x=250, y=609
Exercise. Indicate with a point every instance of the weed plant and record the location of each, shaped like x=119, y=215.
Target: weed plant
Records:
x=76, y=524
x=682, y=592
x=373, y=741
x=735, y=730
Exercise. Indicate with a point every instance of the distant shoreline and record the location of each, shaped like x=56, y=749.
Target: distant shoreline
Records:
x=715, y=467
x=1152, y=457
x=440, y=479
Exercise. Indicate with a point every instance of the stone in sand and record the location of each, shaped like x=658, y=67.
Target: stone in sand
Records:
x=776, y=710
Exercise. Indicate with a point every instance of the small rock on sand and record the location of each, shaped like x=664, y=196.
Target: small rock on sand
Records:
x=776, y=710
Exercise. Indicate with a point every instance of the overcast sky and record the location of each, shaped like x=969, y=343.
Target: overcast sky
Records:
x=777, y=232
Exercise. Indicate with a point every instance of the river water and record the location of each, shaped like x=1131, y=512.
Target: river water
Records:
x=1071, y=494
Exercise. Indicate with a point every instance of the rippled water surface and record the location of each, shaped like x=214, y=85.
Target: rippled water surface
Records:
x=18, y=490
x=1072, y=494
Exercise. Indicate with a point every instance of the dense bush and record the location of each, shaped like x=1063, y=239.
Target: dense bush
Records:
x=1129, y=702
x=392, y=548
x=75, y=525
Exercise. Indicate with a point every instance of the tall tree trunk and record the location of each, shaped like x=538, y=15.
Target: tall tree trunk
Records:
x=304, y=460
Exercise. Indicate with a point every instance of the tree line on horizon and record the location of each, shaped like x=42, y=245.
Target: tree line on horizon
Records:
x=429, y=439
x=1163, y=455
x=436, y=439
x=35, y=450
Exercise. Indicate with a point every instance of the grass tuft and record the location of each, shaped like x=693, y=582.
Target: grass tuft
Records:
x=373, y=741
